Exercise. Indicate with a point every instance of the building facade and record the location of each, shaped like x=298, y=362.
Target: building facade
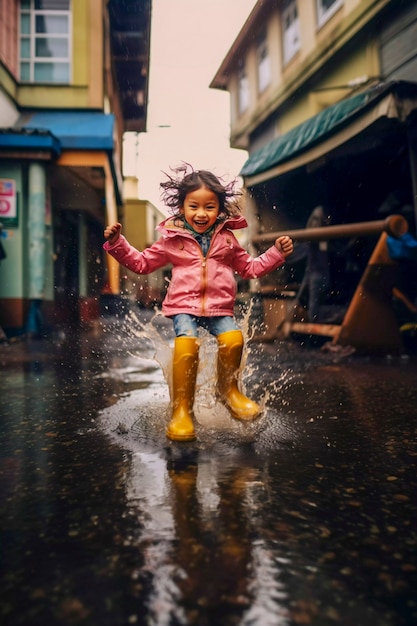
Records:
x=73, y=79
x=324, y=96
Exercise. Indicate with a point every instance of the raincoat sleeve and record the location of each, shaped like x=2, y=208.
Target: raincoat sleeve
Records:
x=144, y=262
x=248, y=267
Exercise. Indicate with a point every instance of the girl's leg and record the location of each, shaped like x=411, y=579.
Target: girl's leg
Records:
x=184, y=376
x=218, y=325
x=230, y=342
x=185, y=325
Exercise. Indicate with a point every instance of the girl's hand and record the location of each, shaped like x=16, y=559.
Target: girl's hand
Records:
x=111, y=233
x=285, y=245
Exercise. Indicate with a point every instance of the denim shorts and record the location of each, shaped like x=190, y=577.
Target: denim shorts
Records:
x=186, y=325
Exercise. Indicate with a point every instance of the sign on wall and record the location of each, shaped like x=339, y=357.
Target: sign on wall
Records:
x=8, y=202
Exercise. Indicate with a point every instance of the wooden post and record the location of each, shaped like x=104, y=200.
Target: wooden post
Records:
x=370, y=324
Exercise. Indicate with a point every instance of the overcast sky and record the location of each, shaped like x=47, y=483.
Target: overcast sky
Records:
x=187, y=121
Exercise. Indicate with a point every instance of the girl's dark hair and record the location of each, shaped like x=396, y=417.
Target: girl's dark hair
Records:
x=184, y=181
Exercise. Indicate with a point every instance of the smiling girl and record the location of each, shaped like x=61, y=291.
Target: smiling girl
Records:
x=199, y=242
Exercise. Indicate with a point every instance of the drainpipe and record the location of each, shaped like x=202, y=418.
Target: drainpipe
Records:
x=113, y=267
x=36, y=238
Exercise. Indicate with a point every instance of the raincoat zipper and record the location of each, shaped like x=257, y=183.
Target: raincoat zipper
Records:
x=203, y=285
x=204, y=275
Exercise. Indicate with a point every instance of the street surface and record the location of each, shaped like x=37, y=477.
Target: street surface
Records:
x=306, y=516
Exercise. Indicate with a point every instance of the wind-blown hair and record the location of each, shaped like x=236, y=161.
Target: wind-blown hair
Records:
x=183, y=182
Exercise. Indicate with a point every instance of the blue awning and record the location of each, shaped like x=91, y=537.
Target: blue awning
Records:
x=76, y=130
x=60, y=130
x=53, y=132
x=330, y=128
x=29, y=140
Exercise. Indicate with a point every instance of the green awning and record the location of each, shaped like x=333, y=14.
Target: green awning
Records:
x=330, y=128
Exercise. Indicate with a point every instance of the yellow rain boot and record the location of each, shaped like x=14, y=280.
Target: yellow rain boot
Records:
x=228, y=363
x=184, y=376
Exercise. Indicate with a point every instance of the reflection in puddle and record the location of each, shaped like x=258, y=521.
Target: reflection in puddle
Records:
x=306, y=516
x=286, y=520
x=197, y=503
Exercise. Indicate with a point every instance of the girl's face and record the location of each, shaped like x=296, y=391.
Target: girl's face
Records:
x=201, y=209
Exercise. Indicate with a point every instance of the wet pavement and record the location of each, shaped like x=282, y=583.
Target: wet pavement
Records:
x=307, y=516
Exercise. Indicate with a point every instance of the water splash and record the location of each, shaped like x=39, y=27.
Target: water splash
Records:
x=142, y=415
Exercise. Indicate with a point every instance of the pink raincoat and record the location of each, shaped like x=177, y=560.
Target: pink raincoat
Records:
x=200, y=286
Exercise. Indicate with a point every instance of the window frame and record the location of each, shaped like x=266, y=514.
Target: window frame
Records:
x=34, y=37
x=287, y=11
x=323, y=15
x=243, y=92
x=263, y=61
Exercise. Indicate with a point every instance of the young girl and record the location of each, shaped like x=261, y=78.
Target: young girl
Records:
x=198, y=241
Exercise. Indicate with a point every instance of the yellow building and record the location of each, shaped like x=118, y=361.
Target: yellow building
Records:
x=141, y=218
x=73, y=79
x=306, y=78
x=323, y=95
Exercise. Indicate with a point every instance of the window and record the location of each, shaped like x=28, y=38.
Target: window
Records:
x=264, y=63
x=243, y=89
x=326, y=8
x=45, y=27
x=290, y=29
